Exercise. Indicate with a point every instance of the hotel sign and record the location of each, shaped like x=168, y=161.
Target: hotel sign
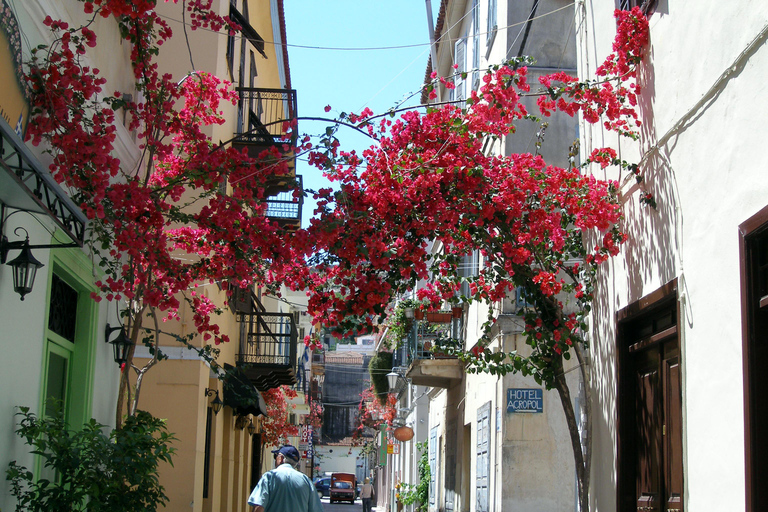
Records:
x=525, y=400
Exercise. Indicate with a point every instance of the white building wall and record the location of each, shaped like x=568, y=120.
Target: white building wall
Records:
x=702, y=105
x=22, y=336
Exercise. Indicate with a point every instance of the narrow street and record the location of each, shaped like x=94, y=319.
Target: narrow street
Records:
x=357, y=506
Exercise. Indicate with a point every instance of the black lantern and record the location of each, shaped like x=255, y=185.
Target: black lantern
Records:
x=251, y=427
x=121, y=345
x=240, y=422
x=216, y=404
x=24, y=265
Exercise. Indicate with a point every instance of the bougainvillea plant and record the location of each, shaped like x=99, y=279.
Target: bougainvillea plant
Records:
x=275, y=425
x=427, y=196
x=372, y=412
x=190, y=213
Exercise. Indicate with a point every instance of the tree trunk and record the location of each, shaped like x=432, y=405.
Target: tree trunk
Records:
x=573, y=430
x=123, y=390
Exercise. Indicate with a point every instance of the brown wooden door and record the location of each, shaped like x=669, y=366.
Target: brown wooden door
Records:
x=649, y=448
x=659, y=440
x=754, y=282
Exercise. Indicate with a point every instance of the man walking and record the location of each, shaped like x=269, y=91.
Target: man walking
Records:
x=284, y=489
x=366, y=493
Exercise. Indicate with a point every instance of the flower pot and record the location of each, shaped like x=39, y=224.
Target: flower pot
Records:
x=418, y=314
x=438, y=318
x=457, y=311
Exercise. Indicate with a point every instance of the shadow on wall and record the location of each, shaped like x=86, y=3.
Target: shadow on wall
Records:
x=648, y=260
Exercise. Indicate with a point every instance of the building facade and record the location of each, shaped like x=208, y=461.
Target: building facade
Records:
x=54, y=338
x=221, y=456
x=485, y=452
x=678, y=334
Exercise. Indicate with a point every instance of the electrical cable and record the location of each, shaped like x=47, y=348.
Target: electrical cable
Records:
x=370, y=48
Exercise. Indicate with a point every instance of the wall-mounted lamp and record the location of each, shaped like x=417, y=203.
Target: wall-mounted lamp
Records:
x=24, y=265
x=251, y=427
x=392, y=378
x=240, y=422
x=216, y=404
x=121, y=345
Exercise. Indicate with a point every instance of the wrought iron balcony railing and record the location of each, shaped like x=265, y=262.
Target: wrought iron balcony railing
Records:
x=427, y=353
x=285, y=208
x=268, y=347
x=264, y=116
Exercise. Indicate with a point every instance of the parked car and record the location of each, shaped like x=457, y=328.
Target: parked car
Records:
x=343, y=487
x=323, y=486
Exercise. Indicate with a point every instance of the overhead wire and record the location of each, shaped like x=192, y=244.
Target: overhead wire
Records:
x=369, y=48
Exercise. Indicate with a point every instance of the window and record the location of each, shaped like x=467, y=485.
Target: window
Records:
x=754, y=290
x=647, y=6
x=468, y=268
x=650, y=405
x=475, y=45
x=460, y=50
x=483, y=457
x=492, y=26
x=432, y=456
x=450, y=466
x=231, y=43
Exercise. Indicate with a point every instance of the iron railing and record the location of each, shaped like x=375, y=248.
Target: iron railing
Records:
x=269, y=339
x=429, y=340
x=285, y=207
x=263, y=116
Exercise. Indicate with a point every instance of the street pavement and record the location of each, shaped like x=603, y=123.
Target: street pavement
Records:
x=357, y=506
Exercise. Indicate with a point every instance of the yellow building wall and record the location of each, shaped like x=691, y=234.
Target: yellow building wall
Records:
x=175, y=389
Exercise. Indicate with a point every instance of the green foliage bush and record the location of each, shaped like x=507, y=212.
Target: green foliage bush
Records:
x=86, y=470
x=379, y=366
x=418, y=493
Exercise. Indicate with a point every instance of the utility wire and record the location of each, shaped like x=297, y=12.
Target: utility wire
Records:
x=371, y=48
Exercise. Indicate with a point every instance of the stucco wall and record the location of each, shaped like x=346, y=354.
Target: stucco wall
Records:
x=702, y=105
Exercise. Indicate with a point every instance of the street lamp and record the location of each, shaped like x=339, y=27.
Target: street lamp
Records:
x=216, y=404
x=392, y=379
x=24, y=265
x=121, y=345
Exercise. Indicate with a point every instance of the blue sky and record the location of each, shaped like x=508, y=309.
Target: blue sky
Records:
x=347, y=80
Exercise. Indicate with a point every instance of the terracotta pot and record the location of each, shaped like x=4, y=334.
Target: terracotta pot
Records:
x=403, y=433
x=457, y=311
x=439, y=318
x=418, y=314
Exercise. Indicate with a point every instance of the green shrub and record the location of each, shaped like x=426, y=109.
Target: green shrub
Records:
x=379, y=366
x=86, y=470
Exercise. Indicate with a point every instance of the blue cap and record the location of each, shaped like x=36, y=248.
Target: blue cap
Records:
x=288, y=451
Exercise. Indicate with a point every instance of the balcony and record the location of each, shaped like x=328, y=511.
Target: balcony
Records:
x=268, y=346
x=427, y=364
x=285, y=209
x=263, y=115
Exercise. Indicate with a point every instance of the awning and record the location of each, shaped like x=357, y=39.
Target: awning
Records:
x=240, y=394
x=26, y=185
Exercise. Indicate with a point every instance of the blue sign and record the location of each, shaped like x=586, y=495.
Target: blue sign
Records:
x=525, y=400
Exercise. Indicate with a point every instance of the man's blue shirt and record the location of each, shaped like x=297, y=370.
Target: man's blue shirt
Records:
x=285, y=490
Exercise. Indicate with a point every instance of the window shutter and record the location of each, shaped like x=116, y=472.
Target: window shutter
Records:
x=483, y=457
x=460, y=56
x=432, y=456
